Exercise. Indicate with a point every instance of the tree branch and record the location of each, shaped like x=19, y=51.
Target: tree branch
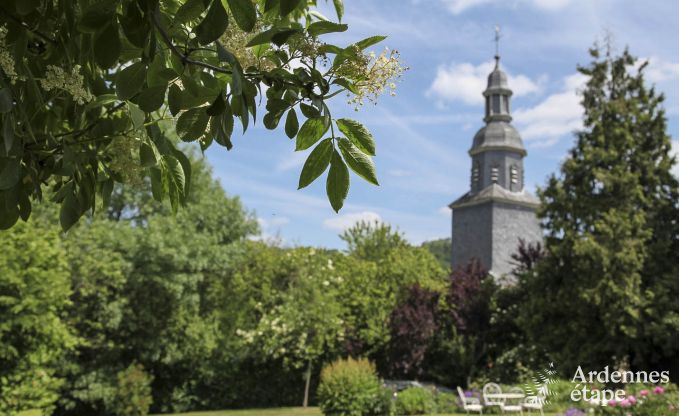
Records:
x=25, y=26
x=185, y=58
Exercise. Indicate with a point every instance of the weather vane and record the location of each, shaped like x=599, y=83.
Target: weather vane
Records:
x=498, y=35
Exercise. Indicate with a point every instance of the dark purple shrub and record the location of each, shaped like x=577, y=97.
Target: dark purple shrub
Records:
x=413, y=324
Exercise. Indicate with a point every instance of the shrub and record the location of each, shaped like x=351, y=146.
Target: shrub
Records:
x=383, y=405
x=349, y=388
x=133, y=392
x=415, y=401
x=447, y=403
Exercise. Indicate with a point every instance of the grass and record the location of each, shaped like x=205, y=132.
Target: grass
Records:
x=284, y=411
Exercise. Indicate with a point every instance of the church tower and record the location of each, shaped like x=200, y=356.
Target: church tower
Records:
x=489, y=219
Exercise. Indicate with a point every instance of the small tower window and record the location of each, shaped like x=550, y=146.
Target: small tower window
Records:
x=495, y=173
x=476, y=175
x=496, y=104
x=505, y=100
x=514, y=178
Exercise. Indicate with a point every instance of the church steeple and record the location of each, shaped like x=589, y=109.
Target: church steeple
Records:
x=497, y=95
x=490, y=218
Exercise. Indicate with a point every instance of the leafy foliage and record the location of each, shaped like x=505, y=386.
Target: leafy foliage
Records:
x=348, y=388
x=413, y=324
x=415, y=401
x=88, y=90
x=611, y=221
x=133, y=392
x=33, y=337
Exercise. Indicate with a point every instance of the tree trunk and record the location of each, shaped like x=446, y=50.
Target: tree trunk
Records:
x=307, y=385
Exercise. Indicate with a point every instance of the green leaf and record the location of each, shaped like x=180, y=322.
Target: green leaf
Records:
x=224, y=128
x=312, y=130
x=316, y=163
x=309, y=111
x=101, y=101
x=213, y=26
x=270, y=5
x=337, y=184
x=25, y=7
x=130, y=80
x=218, y=106
x=346, y=84
x=151, y=99
x=339, y=8
x=367, y=42
x=236, y=80
x=10, y=172
x=137, y=115
x=244, y=13
x=287, y=6
x=190, y=10
x=106, y=46
x=6, y=101
x=358, y=161
x=8, y=134
x=358, y=135
x=157, y=185
x=69, y=213
x=224, y=55
x=176, y=180
x=320, y=28
x=261, y=38
x=106, y=191
x=291, y=124
x=186, y=168
x=174, y=99
x=97, y=15
x=147, y=155
x=191, y=124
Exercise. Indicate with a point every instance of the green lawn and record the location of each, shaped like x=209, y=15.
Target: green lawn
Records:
x=284, y=411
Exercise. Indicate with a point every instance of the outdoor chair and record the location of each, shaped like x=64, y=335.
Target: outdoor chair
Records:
x=516, y=407
x=531, y=403
x=469, y=404
x=492, y=388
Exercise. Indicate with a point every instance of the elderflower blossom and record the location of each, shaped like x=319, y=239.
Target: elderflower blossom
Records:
x=124, y=159
x=58, y=79
x=6, y=60
x=234, y=40
x=372, y=74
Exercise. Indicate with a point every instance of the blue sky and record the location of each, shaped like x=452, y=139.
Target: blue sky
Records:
x=424, y=132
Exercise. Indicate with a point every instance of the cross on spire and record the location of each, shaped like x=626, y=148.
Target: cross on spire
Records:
x=498, y=35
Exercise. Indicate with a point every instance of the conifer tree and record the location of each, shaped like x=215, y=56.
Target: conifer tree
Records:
x=611, y=228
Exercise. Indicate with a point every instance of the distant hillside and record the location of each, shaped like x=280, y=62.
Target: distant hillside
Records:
x=441, y=249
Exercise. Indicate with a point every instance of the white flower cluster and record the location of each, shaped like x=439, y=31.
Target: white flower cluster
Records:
x=372, y=74
x=6, y=60
x=124, y=159
x=73, y=83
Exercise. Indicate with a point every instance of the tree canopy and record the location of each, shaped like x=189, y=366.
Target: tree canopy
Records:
x=96, y=92
x=611, y=218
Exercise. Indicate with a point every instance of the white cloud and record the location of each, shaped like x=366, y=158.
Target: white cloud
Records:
x=465, y=82
x=344, y=221
x=458, y=6
x=291, y=161
x=675, y=153
x=556, y=115
x=274, y=221
x=659, y=70
x=399, y=173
